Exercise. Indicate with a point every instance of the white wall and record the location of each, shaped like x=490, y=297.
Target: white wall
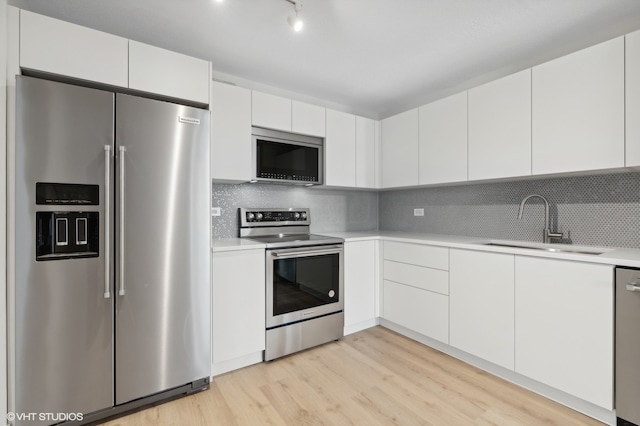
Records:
x=3, y=206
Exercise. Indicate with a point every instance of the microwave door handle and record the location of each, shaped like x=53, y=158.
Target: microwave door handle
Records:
x=305, y=253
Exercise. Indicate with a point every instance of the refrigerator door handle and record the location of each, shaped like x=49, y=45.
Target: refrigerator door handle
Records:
x=122, y=150
x=107, y=201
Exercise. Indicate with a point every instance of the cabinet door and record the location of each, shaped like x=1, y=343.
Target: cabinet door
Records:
x=156, y=70
x=481, y=292
x=443, y=140
x=365, y=153
x=578, y=111
x=270, y=111
x=632, y=99
x=422, y=311
x=340, y=149
x=238, y=304
x=66, y=49
x=231, y=154
x=564, y=326
x=400, y=162
x=307, y=119
x=500, y=128
x=360, y=284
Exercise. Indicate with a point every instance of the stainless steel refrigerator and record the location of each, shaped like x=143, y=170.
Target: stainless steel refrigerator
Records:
x=110, y=301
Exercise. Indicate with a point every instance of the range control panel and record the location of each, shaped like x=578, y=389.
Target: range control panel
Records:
x=274, y=217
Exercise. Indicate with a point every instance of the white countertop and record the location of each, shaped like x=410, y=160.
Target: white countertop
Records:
x=233, y=244
x=610, y=256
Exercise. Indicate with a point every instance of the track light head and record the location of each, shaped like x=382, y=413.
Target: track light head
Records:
x=294, y=20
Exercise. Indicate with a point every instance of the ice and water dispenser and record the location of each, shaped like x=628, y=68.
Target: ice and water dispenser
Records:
x=71, y=231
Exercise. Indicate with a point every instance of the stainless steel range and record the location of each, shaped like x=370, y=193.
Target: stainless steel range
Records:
x=304, y=279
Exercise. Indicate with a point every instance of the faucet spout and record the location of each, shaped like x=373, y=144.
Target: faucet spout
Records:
x=547, y=235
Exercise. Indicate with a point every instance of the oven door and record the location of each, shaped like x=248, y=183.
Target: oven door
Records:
x=304, y=283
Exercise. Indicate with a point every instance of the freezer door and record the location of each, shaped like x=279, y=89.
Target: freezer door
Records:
x=63, y=324
x=162, y=302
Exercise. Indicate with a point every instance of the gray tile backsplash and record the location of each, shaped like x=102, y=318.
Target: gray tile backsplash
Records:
x=331, y=209
x=601, y=210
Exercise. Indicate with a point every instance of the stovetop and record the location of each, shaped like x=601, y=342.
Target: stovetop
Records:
x=281, y=227
x=296, y=240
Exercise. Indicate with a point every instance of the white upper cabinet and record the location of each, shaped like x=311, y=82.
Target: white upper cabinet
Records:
x=564, y=326
x=340, y=149
x=578, y=111
x=400, y=162
x=66, y=49
x=443, y=140
x=278, y=113
x=231, y=153
x=270, y=111
x=500, y=128
x=632, y=99
x=160, y=71
x=366, y=147
x=307, y=119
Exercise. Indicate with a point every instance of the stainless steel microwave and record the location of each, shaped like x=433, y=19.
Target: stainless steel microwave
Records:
x=281, y=157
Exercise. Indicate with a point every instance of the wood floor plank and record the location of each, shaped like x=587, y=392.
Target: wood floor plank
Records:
x=374, y=377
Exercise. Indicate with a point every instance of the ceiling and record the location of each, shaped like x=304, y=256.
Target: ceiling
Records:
x=370, y=57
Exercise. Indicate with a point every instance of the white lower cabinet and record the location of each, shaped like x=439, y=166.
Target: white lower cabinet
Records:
x=564, y=326
x=415, y=290
x=237, y=309
x=360, y=289
x=481, y=314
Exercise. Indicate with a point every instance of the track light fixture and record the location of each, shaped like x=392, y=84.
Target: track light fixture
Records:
x=294, y=20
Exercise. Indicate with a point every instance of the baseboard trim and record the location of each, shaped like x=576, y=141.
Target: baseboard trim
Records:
x=354, y=328
x=236, y=363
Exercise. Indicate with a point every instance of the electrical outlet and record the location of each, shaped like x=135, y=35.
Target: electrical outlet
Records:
x=418, y=212
x=216, y=211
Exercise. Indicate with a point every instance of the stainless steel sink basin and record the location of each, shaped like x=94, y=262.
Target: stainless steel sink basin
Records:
x=567, y=249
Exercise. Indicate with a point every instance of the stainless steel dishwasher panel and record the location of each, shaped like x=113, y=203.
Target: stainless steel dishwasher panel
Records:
x=627, y=365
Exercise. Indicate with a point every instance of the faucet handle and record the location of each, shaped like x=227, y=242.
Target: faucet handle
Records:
x=554, y=234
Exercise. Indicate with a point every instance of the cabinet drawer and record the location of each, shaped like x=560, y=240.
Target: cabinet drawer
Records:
x=417, y=276
x=422, y=311
x=417, y=254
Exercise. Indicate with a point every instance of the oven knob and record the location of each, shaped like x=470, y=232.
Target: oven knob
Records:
x=296, y=215
x=303, y=215
x=332, y=293
x=259, y=216
x=250, y=216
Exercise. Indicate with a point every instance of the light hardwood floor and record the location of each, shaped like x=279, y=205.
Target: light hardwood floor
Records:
x=374, y=377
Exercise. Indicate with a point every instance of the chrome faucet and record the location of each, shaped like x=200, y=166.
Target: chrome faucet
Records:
x=547, y=235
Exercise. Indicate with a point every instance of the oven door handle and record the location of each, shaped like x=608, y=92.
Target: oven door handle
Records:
x=300, y=253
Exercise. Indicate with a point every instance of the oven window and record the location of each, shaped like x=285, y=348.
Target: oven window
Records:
x=286, y=161
x=305, y=282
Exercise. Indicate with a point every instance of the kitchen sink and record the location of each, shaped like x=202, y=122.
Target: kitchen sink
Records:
x=553, y=249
